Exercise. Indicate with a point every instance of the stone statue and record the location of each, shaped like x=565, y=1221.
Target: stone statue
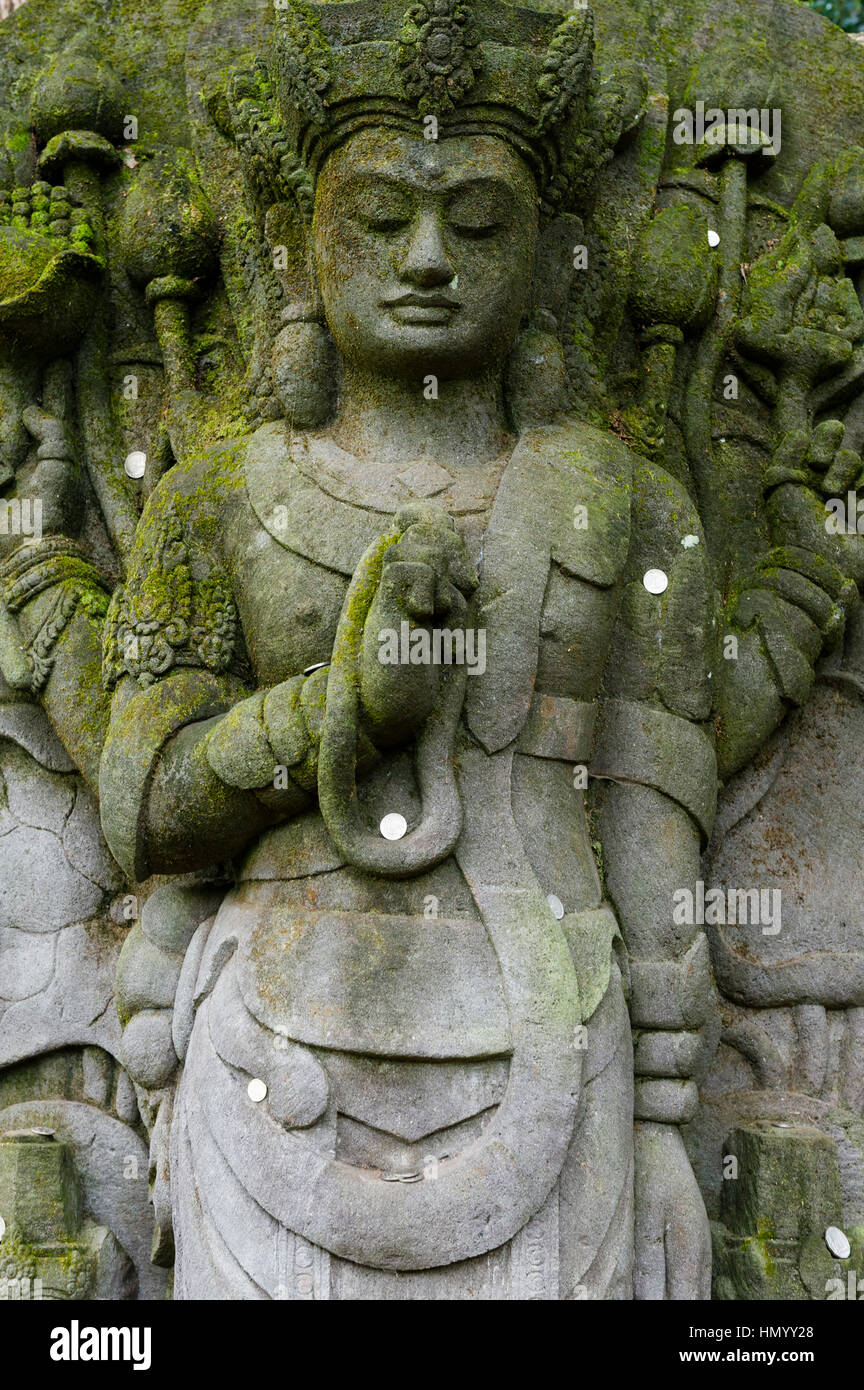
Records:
x=483, y=440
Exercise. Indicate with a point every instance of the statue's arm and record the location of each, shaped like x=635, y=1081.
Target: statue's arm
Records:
x=792, y=609
x=653, y=805
x=194, y=765
x=58, y=633
x=189, y=774
x=657, y=782
x=651, y=847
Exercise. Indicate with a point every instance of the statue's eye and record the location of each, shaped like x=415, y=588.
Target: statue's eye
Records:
x=477, y=213
x=384, y=221
x=385, y=210
x=475, y=230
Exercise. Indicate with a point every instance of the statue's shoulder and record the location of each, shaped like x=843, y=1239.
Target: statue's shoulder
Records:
x=664, y=513
x=663, y=645
x=575, y=447
x=201, y=486
x=614, y=505
x=191, y=499
x=578, y=447
x=577, y=480
x=176, y=606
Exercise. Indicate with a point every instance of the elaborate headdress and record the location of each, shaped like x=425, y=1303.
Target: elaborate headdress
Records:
x=476, y=66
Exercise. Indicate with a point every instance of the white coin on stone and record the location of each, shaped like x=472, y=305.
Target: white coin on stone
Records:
x=393, y=826
x=838, y=1243
x=256, y=1089
x=655, y=581
x=2, y=1228
x=135, y=464
x=713, y=237
x=556, y=905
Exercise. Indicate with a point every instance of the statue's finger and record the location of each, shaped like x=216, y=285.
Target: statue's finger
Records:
x=824, y=443
x=408, y=587
x=843, y=471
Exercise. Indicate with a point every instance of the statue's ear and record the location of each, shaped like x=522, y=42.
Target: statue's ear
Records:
x=289, y=243
x=557, y=245
x=303, y=362
x=621, y=104
x=536, y=380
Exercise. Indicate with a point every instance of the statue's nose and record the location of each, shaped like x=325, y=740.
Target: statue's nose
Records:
x=426, y=263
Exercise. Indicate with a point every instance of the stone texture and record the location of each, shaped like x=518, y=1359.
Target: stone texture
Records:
x=488, y=1059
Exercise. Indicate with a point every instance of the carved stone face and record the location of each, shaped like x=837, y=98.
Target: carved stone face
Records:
x=424, y=251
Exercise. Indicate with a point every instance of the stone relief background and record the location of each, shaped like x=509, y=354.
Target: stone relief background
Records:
x=783, y=1093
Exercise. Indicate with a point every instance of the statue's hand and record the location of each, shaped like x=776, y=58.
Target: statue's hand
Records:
x=426, y=580
x=673, y=1238
x=148, y=974
x=803, y=590
x=811, y=475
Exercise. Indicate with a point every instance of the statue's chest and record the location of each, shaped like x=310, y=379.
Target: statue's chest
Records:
x=292, y=547
x=289, y=607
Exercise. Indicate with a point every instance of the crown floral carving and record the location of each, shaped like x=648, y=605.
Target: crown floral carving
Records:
x=305, y=57
x=337, y=67
x=439, y=54
x=270, y=167
x=567, y=67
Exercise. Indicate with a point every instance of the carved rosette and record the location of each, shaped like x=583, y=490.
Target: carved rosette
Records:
x=439, y=54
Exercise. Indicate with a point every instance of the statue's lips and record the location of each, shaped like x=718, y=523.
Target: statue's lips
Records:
x=422, y=308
